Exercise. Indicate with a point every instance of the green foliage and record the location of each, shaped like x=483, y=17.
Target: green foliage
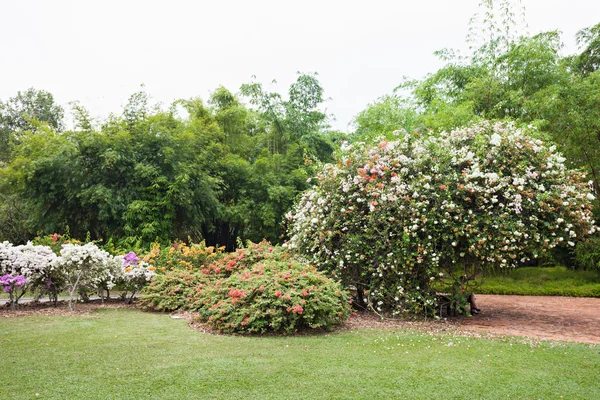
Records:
x=587, y=254
x=386, y=115
x=55, y=241
x=213, y=171
x=297, y=119
x=273, y=296
x=174, y=290
x=589, y=60
x=547, y=281
x=25, y=112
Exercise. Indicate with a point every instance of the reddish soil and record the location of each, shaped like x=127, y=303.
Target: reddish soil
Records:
x=574, y=319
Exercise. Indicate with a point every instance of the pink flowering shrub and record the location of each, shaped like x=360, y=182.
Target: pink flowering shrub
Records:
x=14, y=285
x=174, y=290
x=272, y=296
x=242, y=258
x=255, y=289
x=400, y=220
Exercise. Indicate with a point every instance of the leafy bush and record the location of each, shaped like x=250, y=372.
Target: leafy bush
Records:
x=174, y=290
x=55, y=241
x=392, y=220
x=587, y=254
x=180, y=256
x=255, y=289
x=273, y=296
x=245, y=257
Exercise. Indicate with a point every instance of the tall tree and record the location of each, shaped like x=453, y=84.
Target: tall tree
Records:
x=25, y=112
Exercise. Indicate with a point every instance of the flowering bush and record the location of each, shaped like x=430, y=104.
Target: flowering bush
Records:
x=82, y=269
x=272, y=296
x=85, y=267
x=175, y=290
x=243, y=258
x=255, y=289
x=55, y=241
x=135, y=274
x=7, y=256
x=11, y=285
x=400, y=219
x=180, y=256
x=37, y=264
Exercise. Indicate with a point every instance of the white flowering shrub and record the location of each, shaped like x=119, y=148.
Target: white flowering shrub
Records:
x=86, y=268
x=403, y=219
x=37, y=264
x=135, y=274
x=79, y=269
x=7, y=255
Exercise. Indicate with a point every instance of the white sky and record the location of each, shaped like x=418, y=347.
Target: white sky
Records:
x=99, y=52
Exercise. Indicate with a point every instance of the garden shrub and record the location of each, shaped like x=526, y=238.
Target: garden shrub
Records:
x=245, y=257
x=38, y=267
x=174, y=290
x=79, y=269
x=55, y=241
x=398, y=220
x=587, y=254
x=134, y=275
x=273, y=296
x=180, y=256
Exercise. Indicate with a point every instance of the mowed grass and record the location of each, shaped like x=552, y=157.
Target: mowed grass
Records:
x=537, y=281
x=129, y=354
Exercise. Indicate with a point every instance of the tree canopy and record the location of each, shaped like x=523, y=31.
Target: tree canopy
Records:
x=214, y=170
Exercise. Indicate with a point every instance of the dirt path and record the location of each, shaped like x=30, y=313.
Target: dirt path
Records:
x=558, y=318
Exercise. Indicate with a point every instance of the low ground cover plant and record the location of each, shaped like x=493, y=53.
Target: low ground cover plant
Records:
x=172, y=361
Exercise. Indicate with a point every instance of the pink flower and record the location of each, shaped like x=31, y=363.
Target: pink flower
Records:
x=298, y=309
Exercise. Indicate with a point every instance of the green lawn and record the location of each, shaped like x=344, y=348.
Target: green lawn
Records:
x=129, y=354
x=537, y=281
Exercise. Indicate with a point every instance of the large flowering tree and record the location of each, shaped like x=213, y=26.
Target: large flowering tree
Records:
x=407, y=218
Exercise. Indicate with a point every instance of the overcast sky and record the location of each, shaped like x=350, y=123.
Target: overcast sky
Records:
x=100, y=52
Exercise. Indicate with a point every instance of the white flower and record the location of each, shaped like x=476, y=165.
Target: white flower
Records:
x=495, y=140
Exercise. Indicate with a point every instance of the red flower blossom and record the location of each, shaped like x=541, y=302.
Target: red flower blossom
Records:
x=236, y=293
x=298, y=309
